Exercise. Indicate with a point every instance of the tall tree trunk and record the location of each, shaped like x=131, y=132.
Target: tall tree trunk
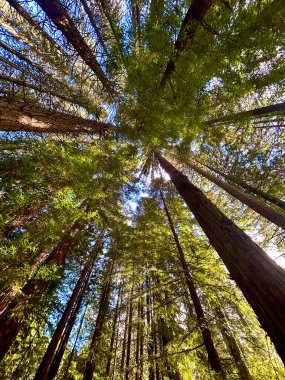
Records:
x=129, y=341
x=100, y=322
x=213, y=355
x=124, y=343
x=60, y=17
x=16, y=116
x=19, y=221
x=75, y=342
x=195, y=14
x=244, y=185
x=10, y=324
x=233, y=346
x=138, y=340
x=150, y=343
x=114, y=330
x=96, y=28
x=76, y=298
x=267, y=110
x=260, y=279
x=261, y=208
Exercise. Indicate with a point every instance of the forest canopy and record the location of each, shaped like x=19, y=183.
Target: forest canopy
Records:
x=142, y=189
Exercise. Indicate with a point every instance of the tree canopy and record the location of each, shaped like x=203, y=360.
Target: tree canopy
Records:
x=142, y=175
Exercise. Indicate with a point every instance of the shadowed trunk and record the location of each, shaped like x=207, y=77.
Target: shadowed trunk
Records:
x=129, y=340
x=196, y=12
x=100, y=322
x=260, y=279
x=261, y=208
x=213, y=355
x=96, y=28
x=50, y=361
x=114, y=331
x=60, y=17
x=260, y=193
x=279, y=107
x=150, y=342
x=32, y=290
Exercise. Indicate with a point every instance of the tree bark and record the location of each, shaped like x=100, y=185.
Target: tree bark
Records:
x=60, y=17
x=260, y=279
x=195, y=14
x=114, y=330
x=213, y=355
x=244, y=185
x=10, y=324
x=124, y=343
x=267, y=110
x=15, y=116
x=100, y=322
x=97, y=30
x=129, y=339
x=34, y=23
x=19, y=221
x=76, y=298
x=150, y=343
x=261, y=208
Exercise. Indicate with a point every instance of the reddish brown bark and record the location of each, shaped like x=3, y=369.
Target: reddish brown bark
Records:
x=124, y=343
x=150, y=343
x=100, y=322
x=51, y=359
x=15, y=116
x=19, y=221
x=114, y=330
x=129, y=335
x=213, y=355
x=60, y=17
x=260, y=279
x=261, y=208
x=10, y=324
x=196, y=12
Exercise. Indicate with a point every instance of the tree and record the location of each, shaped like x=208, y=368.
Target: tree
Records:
x=87, y=90
x=231, y=243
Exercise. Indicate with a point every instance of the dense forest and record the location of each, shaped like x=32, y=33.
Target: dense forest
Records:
x=142, y=175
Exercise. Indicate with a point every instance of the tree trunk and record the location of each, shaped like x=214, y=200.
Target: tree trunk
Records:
x=129, y=344
x=138, y=340
x=76, y=298
x=60, y=17
x=15, y=116
x=33, y=289
x=100, y=322
x=150, y=343
x=19, y=221
x=97, y=30
x=233, y=346
x=124, y=343
x=261, y=208
x=195, y=14
x=75, y=342
x=260, y=279
x=260, y=193
x=34, y=23
x=279, y=107
x=114, y=330
x=213, y=355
